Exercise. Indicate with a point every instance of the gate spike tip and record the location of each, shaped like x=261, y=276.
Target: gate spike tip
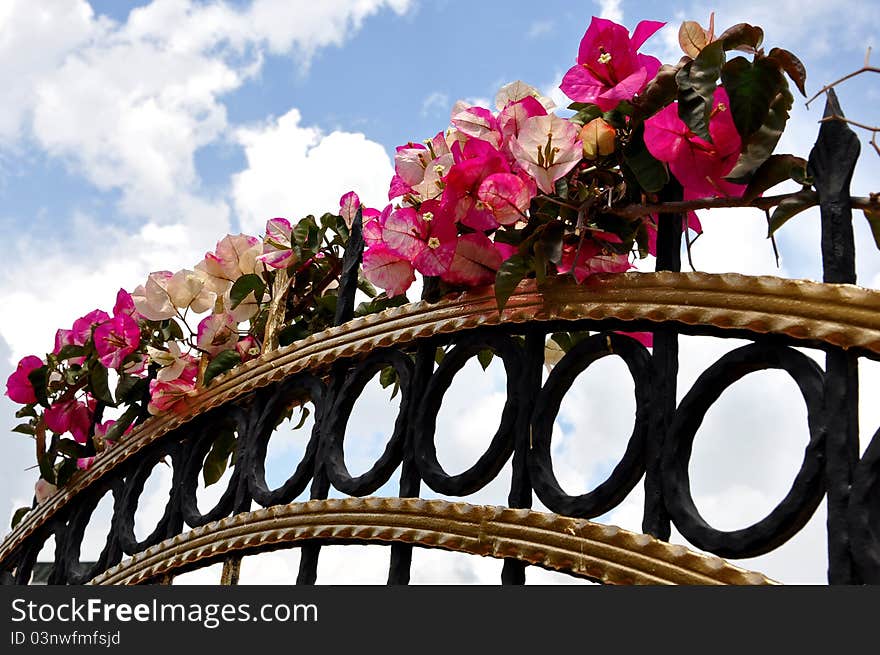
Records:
x=832, y=105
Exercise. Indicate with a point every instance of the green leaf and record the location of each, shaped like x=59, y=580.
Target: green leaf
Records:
x=292, y=333
x=130, y=388
x=439, y=354
x=39, y=379
x=742, y=36
x=660, y=92
x=510, y=274
x=792, y=66
x=752, y=88
x=26, y=411
x=485, y=358
x=329, y=221
x=24, y=428
x=789, y=208
x=650, y=173
x=776, y=169
x=71, y=448
x=218, y=458
x=121, y=425
x=244, y=286
x=98, y=383
x=221, y=363
x=873, y=216
x=47, y=468
x=696, y=87
x=19, y=515
x=388, y=376
x=585, y=114
x=69, y=351
x=65, y=471
x=303, y=416
x=758, y=147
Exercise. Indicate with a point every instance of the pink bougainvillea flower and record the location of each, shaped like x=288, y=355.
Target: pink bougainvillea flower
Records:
x=506, y=196
x=698, y=165
x=83, y=326
x=591, y=257
x=117, y=339
x=476, y=261
x=547, y=148
x=69, y=416
x=152, y=300
x=247, y=348
x=217, y=332
x=18, y=387
x=373, y=226
x=514, y=115
x=66, y=338
x=173, y=396
x=609, y=68
x=43, y=490
x=477, y=123
x=426, y=238
x=85, y=463
x=693, y=223
x=277, y=245
x=102, y=428
x=478, y=160
x=388, y=270
x=644, y=338
x=410, y=161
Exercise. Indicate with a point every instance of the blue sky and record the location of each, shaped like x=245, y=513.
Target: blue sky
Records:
x=136, y=134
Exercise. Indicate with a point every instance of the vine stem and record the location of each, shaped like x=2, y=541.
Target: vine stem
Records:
x=767, y=202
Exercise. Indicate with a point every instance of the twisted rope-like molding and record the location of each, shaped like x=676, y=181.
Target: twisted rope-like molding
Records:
x=585, y=549
x=839, y=314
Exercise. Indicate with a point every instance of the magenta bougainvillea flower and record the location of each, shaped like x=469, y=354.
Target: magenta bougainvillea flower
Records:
x=18, y=386
x=479, y=160
x=698, y=165
x=83, y=326
x=475, y=262
x=507, y=197
x=70, y=416
x=547, y=148
x=590, y=257
x=117, y=339
x=609, y=67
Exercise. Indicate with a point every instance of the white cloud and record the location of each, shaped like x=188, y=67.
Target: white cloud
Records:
x=610, y=9
x=436, y=104
x=295, y=170
x=540, y=28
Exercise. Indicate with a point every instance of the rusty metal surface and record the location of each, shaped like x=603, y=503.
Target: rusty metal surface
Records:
x=842, y=315
x=585, y=549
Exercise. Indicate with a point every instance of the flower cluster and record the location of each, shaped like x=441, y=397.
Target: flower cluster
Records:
x=521, y=190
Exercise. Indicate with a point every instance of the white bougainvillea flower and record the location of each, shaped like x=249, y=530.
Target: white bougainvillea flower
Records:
x=152, y=300
x=547, y=148
x=217, y=332
x=516, y=91
x=189, y=290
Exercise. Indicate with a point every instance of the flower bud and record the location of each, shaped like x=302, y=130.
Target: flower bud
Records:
x=598, y=138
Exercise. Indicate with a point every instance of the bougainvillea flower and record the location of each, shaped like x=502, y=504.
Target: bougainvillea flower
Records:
x=698, y=165
x=247, y=348
x=277, y=245
x=66, y=338
x=609, y=69
x=476, y=261
x=171, y=361
x=506, y=196
x=43, y=489
x=125, y=305
x=547, y=148
x=430, y=239
x=189, y=290
x=69, y=416
x=101, y=430
x=83, y=326
x=217, y=332
x=388, y=270
x=644, y=338
x=519, y=90
x=514, y=115
x=174, y=396
x=590, y=257
x=410, y=161
x=693, y=223
x=372, y=230
x=85, y=463
x=234, y=256
x=117, y=339
x=18, y=386
x=478, y=160
x=477, y=123
x=598, y=137
x=152, y=300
